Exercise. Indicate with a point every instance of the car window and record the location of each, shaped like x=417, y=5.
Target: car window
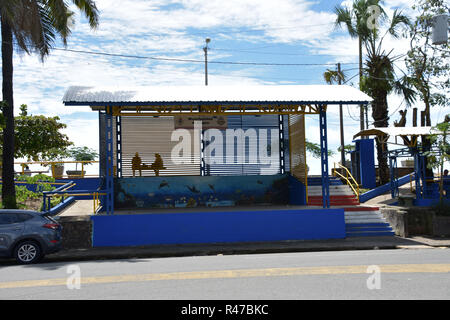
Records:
x=8, y=218
x=22, y=217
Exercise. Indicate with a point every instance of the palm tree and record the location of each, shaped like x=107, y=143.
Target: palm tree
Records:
x=355, y=21
x=379, y=80
x=30, y=26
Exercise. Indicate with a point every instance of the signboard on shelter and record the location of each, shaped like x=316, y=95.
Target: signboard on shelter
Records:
x=208, y=122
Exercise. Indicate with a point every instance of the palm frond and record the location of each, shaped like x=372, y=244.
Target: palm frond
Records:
x=344, y=17
x=89, y=8
x=333, y=76
x=36, y=24
x=60, y=14
x=398, y=20
x=404, y=86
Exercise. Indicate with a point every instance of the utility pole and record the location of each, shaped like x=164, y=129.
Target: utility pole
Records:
x=205, y=49
x=341, y=119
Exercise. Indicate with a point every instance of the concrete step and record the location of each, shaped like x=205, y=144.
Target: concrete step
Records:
x=361, y=208
x=363, y=217
x=369, y=231
x=363, y=220
x=343, y=190
x=366, y=226
x=363, y=214
x=335, y=200
x=366, y=222
x=370, y=234
x=317, y=181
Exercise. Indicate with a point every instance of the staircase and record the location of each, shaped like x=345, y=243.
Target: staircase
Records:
x=366, y=222
x=360, y=221
x=340, y=194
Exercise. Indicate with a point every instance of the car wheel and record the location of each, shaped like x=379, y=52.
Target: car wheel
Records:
x=27, y=252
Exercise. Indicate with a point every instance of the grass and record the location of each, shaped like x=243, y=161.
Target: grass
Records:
x=33, y=200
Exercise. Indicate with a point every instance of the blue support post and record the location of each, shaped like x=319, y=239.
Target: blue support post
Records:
x=324, y=157
x=281, y=144
x=418, y=174
x=394, y=181
x=119, y=145
x=44, y=202
x=109, y=176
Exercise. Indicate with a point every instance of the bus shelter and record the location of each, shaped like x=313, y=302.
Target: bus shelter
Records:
x=190, y=146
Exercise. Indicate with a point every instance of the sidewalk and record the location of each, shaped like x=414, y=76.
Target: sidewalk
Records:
x=157, y=251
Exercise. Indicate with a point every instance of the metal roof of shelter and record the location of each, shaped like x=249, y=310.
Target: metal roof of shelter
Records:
x=204, y=95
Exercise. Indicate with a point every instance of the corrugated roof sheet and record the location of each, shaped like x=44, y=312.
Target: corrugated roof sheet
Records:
x=326, y=94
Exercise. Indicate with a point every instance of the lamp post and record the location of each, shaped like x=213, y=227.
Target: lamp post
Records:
x=205, y=49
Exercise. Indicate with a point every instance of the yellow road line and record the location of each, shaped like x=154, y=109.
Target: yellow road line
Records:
x=228, y=274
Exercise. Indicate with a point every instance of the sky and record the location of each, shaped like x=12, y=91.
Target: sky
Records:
x=274, y=32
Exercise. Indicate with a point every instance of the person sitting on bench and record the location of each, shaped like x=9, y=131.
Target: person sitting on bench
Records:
x=136, y=164
x=156, y=166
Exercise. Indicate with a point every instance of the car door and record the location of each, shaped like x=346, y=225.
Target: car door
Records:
x=11, y=227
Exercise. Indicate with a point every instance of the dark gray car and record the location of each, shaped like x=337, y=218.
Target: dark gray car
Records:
x=28, y=235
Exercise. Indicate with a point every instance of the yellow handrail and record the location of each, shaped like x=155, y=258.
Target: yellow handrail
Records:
x=348, y=178
x=95, y=196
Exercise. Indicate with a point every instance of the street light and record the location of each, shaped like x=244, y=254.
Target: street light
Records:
x=205, y=49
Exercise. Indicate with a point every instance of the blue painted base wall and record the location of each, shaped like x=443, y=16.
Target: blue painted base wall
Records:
x=297, y=192
x=216, y=227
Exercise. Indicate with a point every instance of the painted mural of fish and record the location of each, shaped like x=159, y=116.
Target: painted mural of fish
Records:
x=193, y=189
x=163, y=184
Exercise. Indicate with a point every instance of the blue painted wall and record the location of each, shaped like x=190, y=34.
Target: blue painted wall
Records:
x=84, y=183
x=215, y=227
x=365, y=147
x=297, y=192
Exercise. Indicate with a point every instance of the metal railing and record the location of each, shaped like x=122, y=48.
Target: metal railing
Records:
x=349, y=179
x=47, y=195
x=53, y=167
x=64, y=192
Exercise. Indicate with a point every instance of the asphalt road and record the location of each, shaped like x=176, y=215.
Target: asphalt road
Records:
x=363, y=274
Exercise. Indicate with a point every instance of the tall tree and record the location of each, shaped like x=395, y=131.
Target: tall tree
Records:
x=379, y=80
x=428, y=64
x=33, y=26
x=355, y=19
x=37, y=137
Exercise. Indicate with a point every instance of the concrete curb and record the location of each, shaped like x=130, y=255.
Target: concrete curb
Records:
x=166, y=251
x=160, y=251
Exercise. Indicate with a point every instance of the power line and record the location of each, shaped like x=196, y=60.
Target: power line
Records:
x=195, y=61
x=181, y=72
x=350, y=78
